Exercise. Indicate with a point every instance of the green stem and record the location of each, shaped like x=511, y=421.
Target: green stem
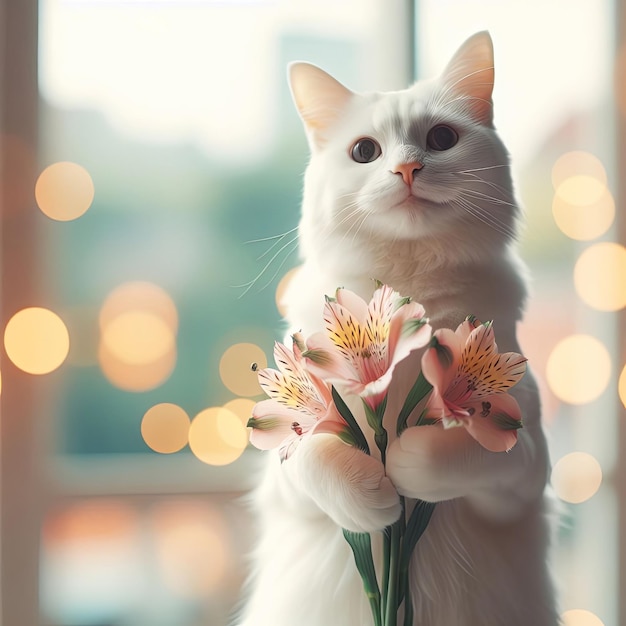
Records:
x=386, y=563
x=361, y=545
x=408, y=610
x=391, y=608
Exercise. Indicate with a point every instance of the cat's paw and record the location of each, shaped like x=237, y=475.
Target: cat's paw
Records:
x=347, y=484
x=427, y=463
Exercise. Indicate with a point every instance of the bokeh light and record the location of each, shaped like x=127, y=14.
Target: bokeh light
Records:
x=282, y=288
x=138, y=325
x=138, y=337
x=193, y=551
x=236, y=368
x=576, y=477
x=583, y=207
x=64, y=191
x=217, y=436
x=136, y=377
x=242, y=408
x=580, y=617
x=600, y=276
x=165, y=428
x=36, y=340
x=101, y=518
x=622, y=386
x=577, y=163
x=578, y=369
x=587, y=221
x=139, y=296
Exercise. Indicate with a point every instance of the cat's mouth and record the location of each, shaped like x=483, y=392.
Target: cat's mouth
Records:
x=413, y=202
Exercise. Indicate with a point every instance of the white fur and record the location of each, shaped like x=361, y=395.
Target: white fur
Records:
x=483, y=559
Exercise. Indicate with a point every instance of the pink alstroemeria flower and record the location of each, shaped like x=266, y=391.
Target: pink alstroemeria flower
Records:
x=300, y=404
x=470, y=380
x=364, y=342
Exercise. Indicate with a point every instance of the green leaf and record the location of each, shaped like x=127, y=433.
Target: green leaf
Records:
x=355, y=429
x=373, y=419
x=361, y=544
x=418, y=392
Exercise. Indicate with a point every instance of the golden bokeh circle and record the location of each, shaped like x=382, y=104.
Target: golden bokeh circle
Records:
x=578, y=369
x=581, y=190
x=236, y=369
x=165, y=428
x=577, y=163
x=576, y=477
x=600, y=276
x=622, y=386
x=138, y=337
x=36, y=340
x=580, y=617
x=136, y=377
x=139, y=296
x=217, y=436
x=587, y=221
x=242, y=408
x=64, y=191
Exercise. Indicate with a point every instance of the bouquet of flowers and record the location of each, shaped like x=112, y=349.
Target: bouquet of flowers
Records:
x=463, y=382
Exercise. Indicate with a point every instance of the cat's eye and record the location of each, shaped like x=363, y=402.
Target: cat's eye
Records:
x=365, y=150
x=441, y=137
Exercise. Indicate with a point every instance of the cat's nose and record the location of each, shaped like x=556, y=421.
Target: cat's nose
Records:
x=408, y=171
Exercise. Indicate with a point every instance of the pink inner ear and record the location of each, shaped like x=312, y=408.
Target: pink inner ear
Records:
x=319, y=97
x=470, y=73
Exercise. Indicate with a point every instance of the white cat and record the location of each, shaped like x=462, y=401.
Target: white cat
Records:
x=412, y=188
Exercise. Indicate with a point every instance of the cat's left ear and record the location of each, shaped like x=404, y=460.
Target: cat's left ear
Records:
x=319, y=98
x=470, y=73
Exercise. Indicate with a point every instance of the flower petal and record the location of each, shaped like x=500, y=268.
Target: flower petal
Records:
x=272, y=423
x=344, y=330
x=292, y=385
x=479, y=346
x=353, y=303
x=334, y=366
x=499, y=373
x=401, y=327
x=465, y=328
x=497, y=430
x=441, y=361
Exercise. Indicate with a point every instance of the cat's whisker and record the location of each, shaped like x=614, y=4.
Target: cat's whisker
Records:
x=482, y=169
x=248, y=286
x=272, y=237
x=479, y=213
x=281, y=265
x=474, y=178
x=353, y=210
x=491, y=199
x=278, y=238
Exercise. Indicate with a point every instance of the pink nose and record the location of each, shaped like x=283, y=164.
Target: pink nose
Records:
x=408, y=171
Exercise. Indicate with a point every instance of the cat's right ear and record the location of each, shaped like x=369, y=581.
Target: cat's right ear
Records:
x=319, y=98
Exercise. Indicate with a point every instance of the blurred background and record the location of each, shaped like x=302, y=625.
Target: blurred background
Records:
x=151, y=176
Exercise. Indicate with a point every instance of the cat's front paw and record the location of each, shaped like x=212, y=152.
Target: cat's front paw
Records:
x=347, y=484
x=427, y=462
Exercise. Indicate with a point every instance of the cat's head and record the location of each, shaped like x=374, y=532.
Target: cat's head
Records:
x=421, y=163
